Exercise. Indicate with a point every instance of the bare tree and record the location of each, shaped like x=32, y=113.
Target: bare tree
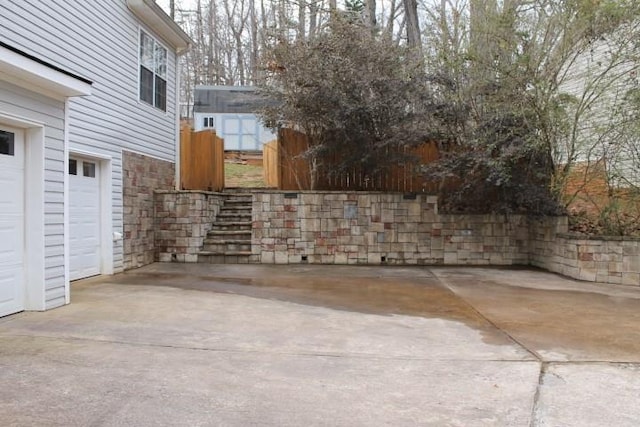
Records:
x=414, y=38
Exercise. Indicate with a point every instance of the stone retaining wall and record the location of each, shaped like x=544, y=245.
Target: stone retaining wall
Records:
x=183, y=219
x=141, y=176
x=374, y=228
x=603, y=259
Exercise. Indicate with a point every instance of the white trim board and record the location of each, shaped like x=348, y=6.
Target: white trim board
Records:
x=32, y=75
x=107, y=236
x=34, y=262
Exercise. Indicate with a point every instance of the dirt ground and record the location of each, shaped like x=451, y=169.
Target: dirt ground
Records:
x=242, y=175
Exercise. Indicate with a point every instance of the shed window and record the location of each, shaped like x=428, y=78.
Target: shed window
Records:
x=209, y=122
x=153, y=72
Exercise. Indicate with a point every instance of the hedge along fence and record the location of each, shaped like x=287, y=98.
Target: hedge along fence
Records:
x=294, y=170
x=201, y=160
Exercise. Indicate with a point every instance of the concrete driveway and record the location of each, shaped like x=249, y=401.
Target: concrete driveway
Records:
x=189, y=345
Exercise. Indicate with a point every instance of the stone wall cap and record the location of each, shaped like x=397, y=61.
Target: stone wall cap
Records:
x=216, y=193
x=275, y=191
x=580, y=236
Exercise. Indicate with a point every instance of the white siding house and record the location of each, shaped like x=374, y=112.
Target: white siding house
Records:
x=84, y=85
x=599, y=80
x=230, y=111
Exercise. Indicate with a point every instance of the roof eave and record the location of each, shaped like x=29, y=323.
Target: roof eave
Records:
x=38, y=76
x=155, y=18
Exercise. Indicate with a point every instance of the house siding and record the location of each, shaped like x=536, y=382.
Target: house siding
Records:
x=20, y=102
x=594, y=121
x=97, y=40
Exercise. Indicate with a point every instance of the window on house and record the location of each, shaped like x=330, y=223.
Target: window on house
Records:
x=153, y=72
x=73, y=167
x=7, y=143
x=89, y=169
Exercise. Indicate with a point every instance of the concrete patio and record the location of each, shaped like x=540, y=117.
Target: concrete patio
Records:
x=231, y=345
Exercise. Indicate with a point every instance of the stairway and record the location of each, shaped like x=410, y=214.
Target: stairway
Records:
x=229, y=241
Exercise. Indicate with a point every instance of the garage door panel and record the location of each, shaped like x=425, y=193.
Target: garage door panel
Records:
x=11, y=296
x=11, y=192
x=84, y=220
x=11, y=240
x=11, y=220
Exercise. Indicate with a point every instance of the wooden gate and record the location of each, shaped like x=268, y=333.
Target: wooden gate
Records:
x=201, y=160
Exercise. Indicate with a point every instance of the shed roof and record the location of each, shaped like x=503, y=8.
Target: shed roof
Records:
x=227, y=99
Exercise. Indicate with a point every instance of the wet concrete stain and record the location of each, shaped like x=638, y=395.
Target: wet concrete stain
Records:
x=424, y=297
x=559, y=324
x=556, y=324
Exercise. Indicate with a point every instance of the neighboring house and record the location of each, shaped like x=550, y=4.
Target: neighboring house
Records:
x=230, y=111
x=88, y=129
x=599, y=81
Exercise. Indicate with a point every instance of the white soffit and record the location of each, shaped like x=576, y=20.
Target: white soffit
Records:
x=154, y=17
x=28, y=72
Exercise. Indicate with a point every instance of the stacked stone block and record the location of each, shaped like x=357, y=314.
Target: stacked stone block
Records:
x=183, y=219
x=603, y=259
x=141, y=176
x=375, y=228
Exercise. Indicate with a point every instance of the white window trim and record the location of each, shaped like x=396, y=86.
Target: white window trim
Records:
x=156, y=40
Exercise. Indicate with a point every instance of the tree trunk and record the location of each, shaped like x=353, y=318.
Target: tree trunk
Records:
x=302, y=14
x=370, y=13
x=413, y=26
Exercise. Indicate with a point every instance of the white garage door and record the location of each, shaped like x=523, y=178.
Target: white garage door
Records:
x=84, y=218
x=11, y=220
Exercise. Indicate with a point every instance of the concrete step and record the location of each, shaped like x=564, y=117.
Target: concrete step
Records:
x=227, y=247
x=233, y=216
x=229, y=235
x=239, y=257
x=236, y=208
x=239, y=200
x=231, y=225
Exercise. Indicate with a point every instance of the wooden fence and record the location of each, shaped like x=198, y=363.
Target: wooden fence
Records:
x=270, y=165
x=201, y=160
x=294, y=172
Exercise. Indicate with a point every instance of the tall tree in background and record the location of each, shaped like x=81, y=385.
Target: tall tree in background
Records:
x=501, y=72
x=356, y=95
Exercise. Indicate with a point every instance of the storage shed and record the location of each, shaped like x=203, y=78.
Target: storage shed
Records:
x=230, y=111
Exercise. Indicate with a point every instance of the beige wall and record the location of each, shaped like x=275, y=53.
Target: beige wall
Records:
x=379, y=228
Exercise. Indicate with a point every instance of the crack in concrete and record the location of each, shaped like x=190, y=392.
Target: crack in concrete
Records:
x=510, y=337
x=262, y=351
x=535, y=407
x=542, y=364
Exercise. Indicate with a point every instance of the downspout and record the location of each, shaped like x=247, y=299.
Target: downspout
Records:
x=177, y=112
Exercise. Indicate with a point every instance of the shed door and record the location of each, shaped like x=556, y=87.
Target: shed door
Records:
x=11, y=220
x=84, y=218
x=240, y=133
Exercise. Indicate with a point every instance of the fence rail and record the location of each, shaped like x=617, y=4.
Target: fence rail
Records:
x=294, y=170
x=201, y=160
